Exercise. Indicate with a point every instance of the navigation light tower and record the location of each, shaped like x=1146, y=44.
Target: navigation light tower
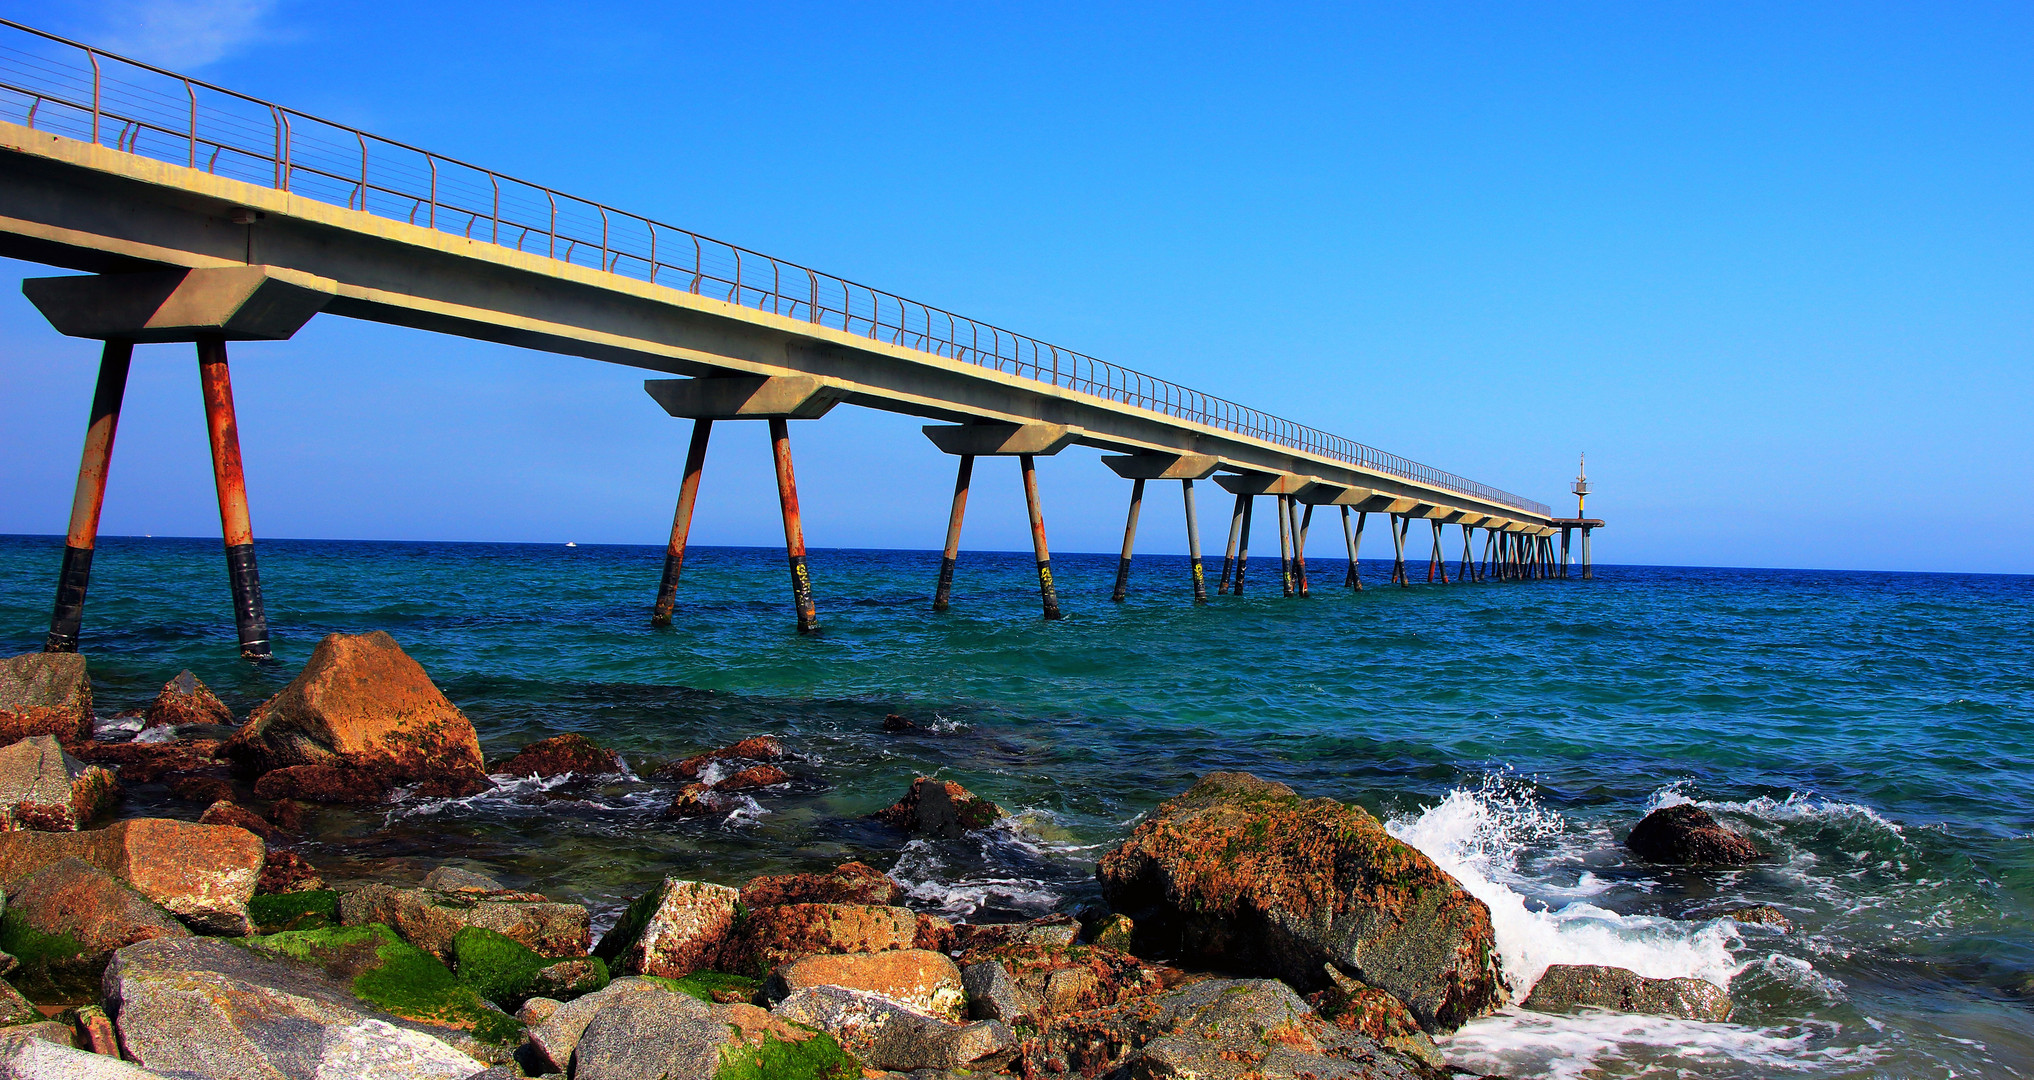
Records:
x=1581, y=486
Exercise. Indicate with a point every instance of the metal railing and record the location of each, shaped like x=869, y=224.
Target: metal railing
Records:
x=54, y=84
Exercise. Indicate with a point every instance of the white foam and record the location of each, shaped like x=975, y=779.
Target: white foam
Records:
x=1026, y=838
x=1515, y=1042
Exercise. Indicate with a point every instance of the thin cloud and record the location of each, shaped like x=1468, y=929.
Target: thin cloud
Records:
x=182, y=34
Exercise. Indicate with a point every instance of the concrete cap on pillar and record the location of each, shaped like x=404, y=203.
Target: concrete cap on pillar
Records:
x=745, y=397
x=1259, y=483
x=1322, y=493
x=1161, y=466
x=1388, y=504
x=238, y=303
x=1000, y=440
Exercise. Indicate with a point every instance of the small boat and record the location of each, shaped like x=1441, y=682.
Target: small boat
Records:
x=569, y=543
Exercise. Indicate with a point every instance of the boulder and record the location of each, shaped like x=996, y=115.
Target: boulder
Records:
x=754, y=749
x=64, y=923
x=363, y=705
x=994, y=995
x=334, y=785
x=753, y=777
x=220, y=1010
x=559, y=755
x=202, y=874
x=774, y=936
x=507, y=972
x=940, y=808
x=1049, y=974
x=50, y=1031
x=15, y=1008
x=453, y=879
x=430, y=920
x=147, y=762
x=666, y=1035
x=556, y=1027
x=698, y=800
x=848, y=883
x=1761, y=915
x=919, y=978
x=201, y=788
x=391, y=974
x=42, y=787
x=96, y=1031
x=1568, y=987
x=185, y=700
x=45, y=694
x=228, y=812
x=34, y=1056
x=887, y=1035
x=569, y=979
x=1115, y=931
x=288, y=872
x=1376, y=1014
x=1244, y=874
x=1685, y=834
x=673, y=930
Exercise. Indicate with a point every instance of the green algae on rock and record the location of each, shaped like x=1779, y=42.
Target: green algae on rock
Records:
x=507, y=972
x=394, y=975
x=818, y=1057
x=713, y=986
x=311, y=910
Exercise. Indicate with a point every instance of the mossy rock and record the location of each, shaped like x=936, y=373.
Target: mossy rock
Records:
x=507, y=972
x=704, y=985
x=818, y=1057
x=276, y=912
x=391, y=974
x=50, y=969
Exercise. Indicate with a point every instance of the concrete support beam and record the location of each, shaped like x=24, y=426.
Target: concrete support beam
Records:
x=745, y=397
x=1262, y=483
x=1001, y=440
x=1162, y=466
x=1388, y=504
x=238, y=303
x=1322, y=493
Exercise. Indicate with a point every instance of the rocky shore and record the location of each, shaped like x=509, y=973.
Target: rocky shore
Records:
x=1248, y=931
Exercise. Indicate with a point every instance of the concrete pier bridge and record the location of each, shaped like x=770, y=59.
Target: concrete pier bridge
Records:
x=197, y=214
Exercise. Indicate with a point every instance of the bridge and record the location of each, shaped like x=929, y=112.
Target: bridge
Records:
x=199, y=214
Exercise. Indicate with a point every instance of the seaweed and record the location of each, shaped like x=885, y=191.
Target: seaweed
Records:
x=276, y=912
x=52, y=969
x=817, y=1057
x=396, y=976
x=704, y=985
x=497, y=967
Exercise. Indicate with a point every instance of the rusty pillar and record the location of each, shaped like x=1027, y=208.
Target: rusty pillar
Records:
x=76, y=574
x=1243, y=544
x=248, y=616
x=681, y=524
x=794, y=527
x=942, y=594
x=1038, y=547
x=1129, y=540
x=1284, y=507
x=1299, y=547
x=1186, y=488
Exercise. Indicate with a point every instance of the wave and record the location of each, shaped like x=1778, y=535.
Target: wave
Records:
x=1591, y=1043
x=1023, y=866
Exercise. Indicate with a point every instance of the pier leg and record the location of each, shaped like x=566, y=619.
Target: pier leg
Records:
x=1284, y=543
x=1489, y=553
x=1565, y=560
x=681, y=524
x=1466, y=573
x=1299, y=548
x=1440, y=558
x=1352, y=578
x=1193, y=522
x=1399, y=528
x=1129, y=541
x=1243, y=544
x=943, y=593
x=1038, y=548
x=1587, y=567
x=248, y=616
x=794, y=527
x=1229, y=554
x=76, y=575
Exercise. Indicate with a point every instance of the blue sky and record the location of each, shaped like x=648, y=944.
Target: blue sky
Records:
x=1769, y=265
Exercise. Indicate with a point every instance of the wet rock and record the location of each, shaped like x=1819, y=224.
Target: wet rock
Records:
x=753, y=777
x=919, y=978
x=362, y=704
x=1568, y=987
x=200, y=788
x=1243, y=873
x=556, y=1032
x=185, y=700
x=452, y=879
x=940, y=808
x=848, y=883
x=430, y=920
x=994, y=995
x=203, y=874
x=755, y=748
x=15, y=1008
x=1761, y=915
x=666, y=1035
x=774, y=936
x=675, y=929
x=42, y=787
x=26, y=1056
x=1372, y=1012
x=698, y=800
x=147, y=762
x=1115, y=932
x=898, y=722
x=64, y=923
x=45, y=694
x=559, y=755
x=227, y=812
x=288, y=872
x=329, y=784
x=1052, y=974
x=96, y=1032
x=569, y=979
x=219, y=1010
x=1686, y=835
x=887, y=1035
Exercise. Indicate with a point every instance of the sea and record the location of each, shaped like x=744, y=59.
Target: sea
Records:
x=1873, y=731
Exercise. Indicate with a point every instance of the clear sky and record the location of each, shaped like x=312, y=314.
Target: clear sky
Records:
x=1770, y=265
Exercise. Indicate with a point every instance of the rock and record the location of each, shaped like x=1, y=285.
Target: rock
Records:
x=227, y=812
x=894, y=722
x=49, y=1031
x=698, y=800
x=1372, y=1012
x=452, y=879
x=994, y=995
x=1244, y=874
x=924, y=980
x=66, y=920
x=25, y=1056
x=288, y=815
x=887, y=1035
x=391, y=974
x=199, y=788
x=1051, y=973
x=147, y=762
x=362, y=704
x=536, y=1010
x=559, y=755
x=1761, y=915
x=569, y=979
x=1685, y=834
x=329, y=784
x=755, y=748
x=507, y=972
x=288, y=872
x=309, y=909
x=42, y=787
x=45, y=694
x=202, y=874
x=940, y=808
x=848, y=883
x=1115, y=932
x=219, y=1010
x=1568, y=987
x=663, y=1035
x=185, y=700
x=16, y=1009
x=675, y=929
x=774, y=936
x=97, y=1031
x=430, y=920
x=753, y=777
x=557, y=1033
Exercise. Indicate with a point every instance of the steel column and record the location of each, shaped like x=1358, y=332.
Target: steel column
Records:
x=1229, y=554
x=1587, y=566
x=1284, y=543
x=681, y=524
x=1399, y=528
x=1299, y=547
x=1193, y=522
x=942, y=594
x=1466, y=573
x=1038, y=548
x=75, y=576
x=248, y=617
x=794, y=526
x=1354, y=578
x=1565, y=537
x=1129, y=540
x=1243, y=545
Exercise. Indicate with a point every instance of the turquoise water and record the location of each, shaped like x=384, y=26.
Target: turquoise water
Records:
x=1876, y=731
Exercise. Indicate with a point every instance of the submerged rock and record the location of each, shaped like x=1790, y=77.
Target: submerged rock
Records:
x=919, y=978
x=940, y=808
x=64, y=923
x=45, y=694
x=559, y=755
x=201, y=788
x=42, y=787
x=755, y=748
x=186, y=700
x=1761, y=915
x=1243, y=873
x=362, y=705
x=1686, y=835
x=753, y=777
x=431, y=920
x=848, y=883
x=1568, y=987
x=673, y=930
x=228, y=812
x=203, y=874
x=147, y=762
